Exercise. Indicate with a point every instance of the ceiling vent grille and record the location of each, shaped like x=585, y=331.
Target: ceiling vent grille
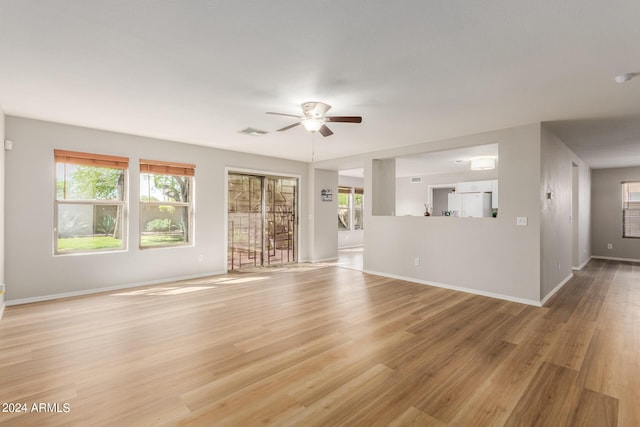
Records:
x=253, y=131
x=415, y=180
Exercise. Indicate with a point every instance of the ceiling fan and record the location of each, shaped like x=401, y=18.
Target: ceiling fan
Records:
x=314, y=119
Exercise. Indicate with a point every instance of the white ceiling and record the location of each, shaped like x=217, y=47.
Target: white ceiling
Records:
x=199, y=71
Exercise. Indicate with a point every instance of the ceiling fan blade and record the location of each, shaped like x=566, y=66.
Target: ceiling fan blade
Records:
x=344, y=119
x=325, y=131
x=282, y=114
x=288, y=127
x=320, y=109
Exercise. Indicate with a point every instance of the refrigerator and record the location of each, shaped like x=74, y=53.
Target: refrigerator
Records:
x=475, y=205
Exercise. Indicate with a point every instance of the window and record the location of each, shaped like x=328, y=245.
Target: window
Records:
x=358, y=195
x=166, y=208
x=350, y=205
x=344, y=211
x=631, y=209
x=90, y=202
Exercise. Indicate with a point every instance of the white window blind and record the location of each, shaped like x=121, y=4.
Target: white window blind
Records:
x=631, y=209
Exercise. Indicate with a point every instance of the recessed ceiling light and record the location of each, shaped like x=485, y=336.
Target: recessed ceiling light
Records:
x=624, y=77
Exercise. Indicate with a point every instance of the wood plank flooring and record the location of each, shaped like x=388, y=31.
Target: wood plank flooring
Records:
x=319, y=345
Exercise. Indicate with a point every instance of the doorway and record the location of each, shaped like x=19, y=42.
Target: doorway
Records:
x=262, y=220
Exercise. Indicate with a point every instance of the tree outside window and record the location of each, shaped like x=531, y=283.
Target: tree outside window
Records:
x=165, y=203
x=90, y=202
x=350, y=208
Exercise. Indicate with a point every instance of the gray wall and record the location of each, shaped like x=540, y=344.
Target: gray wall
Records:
x=607, y=214
x=32, y=272
x=2, y=207
x=557, y=215
x=325, y=216
x=383, y=190
x=487, y=256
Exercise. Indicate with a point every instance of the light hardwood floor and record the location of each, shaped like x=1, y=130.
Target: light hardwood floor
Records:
x=323, y=346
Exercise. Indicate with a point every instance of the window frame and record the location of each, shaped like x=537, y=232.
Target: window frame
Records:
x=630, y=211
x=67, y=157
x=158, y=167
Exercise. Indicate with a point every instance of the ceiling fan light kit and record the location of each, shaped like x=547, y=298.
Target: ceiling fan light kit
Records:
x=314, y=119
x=312, y=125
x=622, y=78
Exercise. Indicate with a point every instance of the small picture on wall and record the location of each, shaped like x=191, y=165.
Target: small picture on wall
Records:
x=326, y=195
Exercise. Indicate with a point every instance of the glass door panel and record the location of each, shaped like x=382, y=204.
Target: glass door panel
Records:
x=245, y=221
x=281, y=219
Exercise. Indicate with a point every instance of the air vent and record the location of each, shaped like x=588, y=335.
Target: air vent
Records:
x=253, y=131
x=415, y=180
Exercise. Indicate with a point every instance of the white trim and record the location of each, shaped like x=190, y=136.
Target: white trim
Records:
x=108, y=289
x=556, y=289
x=581, y=265
x=459, y=288
x=615, y=258
x=324, y=260
x=350, y=247
x=2, y=304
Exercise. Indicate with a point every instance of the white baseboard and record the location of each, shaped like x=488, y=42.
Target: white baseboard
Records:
x=1, y=300
x=616, y=258
x=581, y=266
x=324, y=260
x=351, y=246
x=459, y=288
x=556, y=289
x=108, y=289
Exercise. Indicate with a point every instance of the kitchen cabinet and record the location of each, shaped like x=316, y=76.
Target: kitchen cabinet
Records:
x=474, y=187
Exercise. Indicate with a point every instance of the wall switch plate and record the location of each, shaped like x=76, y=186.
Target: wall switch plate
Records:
x=609, y=246
x=521, y=220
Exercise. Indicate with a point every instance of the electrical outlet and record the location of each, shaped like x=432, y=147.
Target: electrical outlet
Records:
x=416, y=261
x=609, y=246
x=521, y=220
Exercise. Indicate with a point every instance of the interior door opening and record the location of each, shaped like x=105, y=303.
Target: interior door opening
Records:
x=262, y=220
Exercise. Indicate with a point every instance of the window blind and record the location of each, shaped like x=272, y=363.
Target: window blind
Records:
x=89, y=159
x=167, y=168
x=631, y=209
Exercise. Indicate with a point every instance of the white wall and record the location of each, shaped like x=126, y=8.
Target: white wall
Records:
x=486, y=256
x=351, y=238
x=32, y=272
x=2, y=207
x=607, y=214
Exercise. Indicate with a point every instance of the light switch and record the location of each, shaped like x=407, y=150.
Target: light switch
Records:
x=521, y=220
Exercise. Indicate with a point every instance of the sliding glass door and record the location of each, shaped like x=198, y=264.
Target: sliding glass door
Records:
x=262, y=220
